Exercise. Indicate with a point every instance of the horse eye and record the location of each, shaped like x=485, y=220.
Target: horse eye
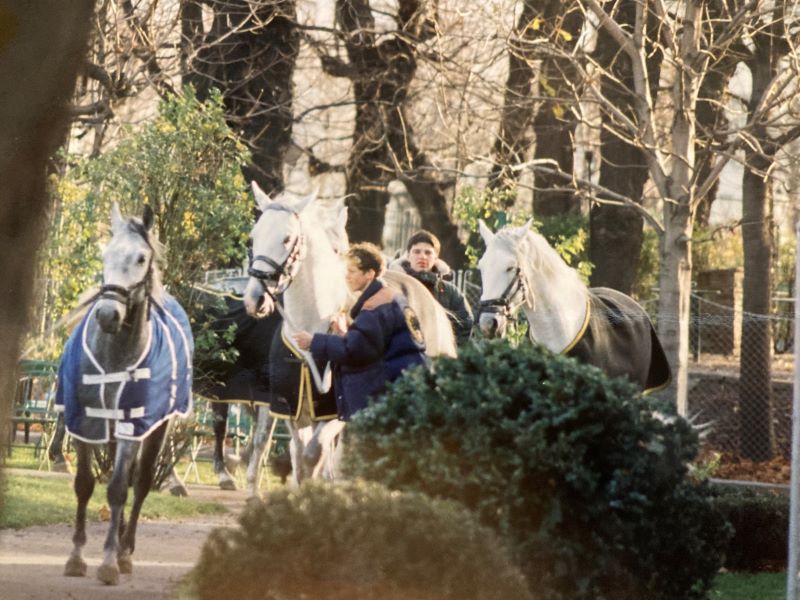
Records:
x=140, y=260
x=510, y=269
x=286, y=240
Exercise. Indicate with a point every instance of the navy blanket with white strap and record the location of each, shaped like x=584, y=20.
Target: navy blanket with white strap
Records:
x=148, y=392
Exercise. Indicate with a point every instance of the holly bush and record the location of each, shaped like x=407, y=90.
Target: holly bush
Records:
x=355, y=541
x=587, y=479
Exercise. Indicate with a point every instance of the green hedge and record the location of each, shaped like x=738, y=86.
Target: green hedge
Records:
x=760, y=522
x=355, y=541
x=583, y=475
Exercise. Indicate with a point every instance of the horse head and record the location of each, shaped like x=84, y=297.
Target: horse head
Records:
x=129, y=271
x=278, y=248
x=504, y=285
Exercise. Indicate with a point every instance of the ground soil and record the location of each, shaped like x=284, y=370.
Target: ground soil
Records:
x=32, y=560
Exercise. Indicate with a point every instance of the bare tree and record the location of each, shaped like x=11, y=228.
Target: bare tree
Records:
x=249, y=53
x=42, y=45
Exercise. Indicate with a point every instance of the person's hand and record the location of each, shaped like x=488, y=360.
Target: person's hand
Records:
x=303, y=340
x=339, y=324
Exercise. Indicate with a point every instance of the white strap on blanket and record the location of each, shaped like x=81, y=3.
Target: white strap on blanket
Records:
x=118, y=377
x=116, y=414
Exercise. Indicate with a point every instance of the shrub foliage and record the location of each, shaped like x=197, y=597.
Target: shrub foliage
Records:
x=581, y=473
x=355, y=541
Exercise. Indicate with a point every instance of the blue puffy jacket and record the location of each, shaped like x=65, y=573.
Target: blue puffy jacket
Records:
x=383, y=340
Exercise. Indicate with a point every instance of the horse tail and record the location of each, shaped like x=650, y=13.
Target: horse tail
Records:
x=659, y=374
x=439, y=337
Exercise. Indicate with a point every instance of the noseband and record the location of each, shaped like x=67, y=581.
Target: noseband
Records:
x=504, y=305
x=283, y=273
x=122, y=294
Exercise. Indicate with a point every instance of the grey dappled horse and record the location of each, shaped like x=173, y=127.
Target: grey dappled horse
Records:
x=134, y=345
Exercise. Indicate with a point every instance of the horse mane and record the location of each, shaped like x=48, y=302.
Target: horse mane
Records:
x=439, y=337
x=136, y=226
x=538, y=259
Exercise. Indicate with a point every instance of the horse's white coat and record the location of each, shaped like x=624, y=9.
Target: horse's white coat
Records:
x=316, y=294
x=555, y=301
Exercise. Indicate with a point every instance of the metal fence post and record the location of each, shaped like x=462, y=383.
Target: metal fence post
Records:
x=794, y=524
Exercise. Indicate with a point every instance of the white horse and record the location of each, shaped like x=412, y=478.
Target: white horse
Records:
x=599, y=326
x=125, y=373
x=299, y=254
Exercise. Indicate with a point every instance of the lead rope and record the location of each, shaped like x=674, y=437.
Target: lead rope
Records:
x=322, y=382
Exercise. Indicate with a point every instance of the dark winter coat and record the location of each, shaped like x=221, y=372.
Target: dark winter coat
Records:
x=383, y=340
x=446, y=294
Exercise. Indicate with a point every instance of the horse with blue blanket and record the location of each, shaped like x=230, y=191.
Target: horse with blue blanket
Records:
x=126, y=371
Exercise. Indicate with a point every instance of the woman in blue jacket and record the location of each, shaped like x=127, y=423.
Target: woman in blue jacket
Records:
x=383, y=339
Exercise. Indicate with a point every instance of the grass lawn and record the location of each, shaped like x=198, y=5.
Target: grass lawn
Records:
x=35, y=500
x=749, y=586
x=29, y=501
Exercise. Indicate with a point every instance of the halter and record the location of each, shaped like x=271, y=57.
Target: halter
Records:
x=283, y=273
x=122, y=294
x=504, y=305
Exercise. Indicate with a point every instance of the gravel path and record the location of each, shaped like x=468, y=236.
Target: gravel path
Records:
x=32, y=560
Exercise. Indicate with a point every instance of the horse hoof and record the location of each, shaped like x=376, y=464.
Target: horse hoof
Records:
x=125, y=565
x=108, y=574
x=179, y=490
x=232, y=463
x=60, y=466
x=75, y=567
x=228, y=485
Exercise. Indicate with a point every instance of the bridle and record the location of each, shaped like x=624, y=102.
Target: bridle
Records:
x=124, y=295
x=283, y=273
x=504, y=305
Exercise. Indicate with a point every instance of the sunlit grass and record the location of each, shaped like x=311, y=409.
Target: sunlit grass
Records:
x=30, y=500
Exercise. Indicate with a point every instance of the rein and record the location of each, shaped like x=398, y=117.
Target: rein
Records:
x=504, y=305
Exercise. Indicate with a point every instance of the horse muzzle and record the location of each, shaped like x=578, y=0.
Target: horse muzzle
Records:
x=110, y=314
x=492, y=325
x=257, y=302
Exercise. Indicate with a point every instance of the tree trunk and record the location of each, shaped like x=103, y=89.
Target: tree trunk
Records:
x=250, y=54
x=615, y=239
x=755, y=381
x=384, y=147
x=42, y=46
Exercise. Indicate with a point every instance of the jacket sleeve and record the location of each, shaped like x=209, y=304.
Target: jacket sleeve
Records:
x=460, y=314
x=362, y=345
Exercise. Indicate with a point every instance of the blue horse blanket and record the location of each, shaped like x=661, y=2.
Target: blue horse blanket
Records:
x=158, y=386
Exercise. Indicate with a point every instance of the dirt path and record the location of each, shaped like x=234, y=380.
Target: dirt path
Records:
x=32, y=560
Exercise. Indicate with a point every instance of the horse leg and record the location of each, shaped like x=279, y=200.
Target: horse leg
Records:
x=262, y=435
x=142, y=484
x=84, y=486
x=56, y=449
x=301, y=438
x=226, y=481
x=117, y=494
x=175, y=483
x=319, y=453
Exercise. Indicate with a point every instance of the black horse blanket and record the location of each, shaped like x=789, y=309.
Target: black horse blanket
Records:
x=147, y=393
x=620, y=339
x=247, y=378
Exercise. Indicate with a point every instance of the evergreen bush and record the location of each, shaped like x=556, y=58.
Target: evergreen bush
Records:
x=355, y=541
x=583, y=475
x=760, y=523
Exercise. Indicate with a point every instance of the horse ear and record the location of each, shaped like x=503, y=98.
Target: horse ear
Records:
x=521, y=231
x=301, y=204
x=486, y=233
x=148, y=217
x=262, y=198
x=117, y=221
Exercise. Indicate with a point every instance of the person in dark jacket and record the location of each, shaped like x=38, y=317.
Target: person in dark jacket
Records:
x=383, y=340
x=422, y=262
